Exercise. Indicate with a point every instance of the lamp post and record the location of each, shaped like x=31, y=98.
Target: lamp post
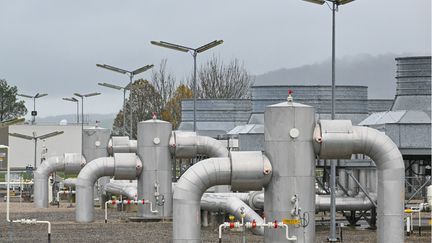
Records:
x=73, y=99
x=334, y=7
x=116, y=87
x=194, y=52
x=131, y=74
x=82, y=96
x=36, y=96
x=35, y=138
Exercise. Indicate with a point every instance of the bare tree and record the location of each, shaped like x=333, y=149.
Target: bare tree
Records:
x=216, y=80
x=164, y=83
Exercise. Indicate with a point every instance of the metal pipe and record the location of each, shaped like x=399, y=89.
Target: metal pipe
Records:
x=339, y=139
x=243, y=170
x=70, y=182
x=121, y=166
x=189, y=145
x=121, y=144
x=123, y=202
x=232, y=205
x=68, y=163
x=187, y=196
x=322, y=202
x=126, y=189
x=63, y=192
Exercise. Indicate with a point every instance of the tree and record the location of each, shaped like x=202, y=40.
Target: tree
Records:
x=144, y=99
x=10, y=108
x=164, y=83
x=172, y=110
x=217, y=80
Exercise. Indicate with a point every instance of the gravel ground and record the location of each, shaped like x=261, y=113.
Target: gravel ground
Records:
x=64, y=229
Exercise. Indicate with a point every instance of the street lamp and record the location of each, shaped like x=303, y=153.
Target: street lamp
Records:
x=194, y=52
x=131, y=74
x=34, y=112
x=35, y=138
x=116, y=87
x=73, y=99
x=82, y=96
x=334, y=8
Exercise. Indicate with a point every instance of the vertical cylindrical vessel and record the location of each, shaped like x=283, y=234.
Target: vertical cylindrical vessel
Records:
x=154, y=182
x=291, y=192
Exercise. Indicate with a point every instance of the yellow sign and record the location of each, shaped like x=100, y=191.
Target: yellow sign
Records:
x=291, y=221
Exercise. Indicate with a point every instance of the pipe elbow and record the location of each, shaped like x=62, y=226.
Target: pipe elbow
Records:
x=189, y=145
x=201, y=176
x=50, y=165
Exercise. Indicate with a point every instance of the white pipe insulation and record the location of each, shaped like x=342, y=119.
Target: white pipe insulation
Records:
x=189, y=145
x=121, y=166
x=242, y=170
x=69, y=163
x=338, y=139
x=121, y=144
x=125, y=189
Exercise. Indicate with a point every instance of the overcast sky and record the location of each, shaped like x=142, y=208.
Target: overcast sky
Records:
x=53, y=46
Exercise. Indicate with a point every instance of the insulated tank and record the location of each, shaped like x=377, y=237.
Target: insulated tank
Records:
x=154, y=182
x=290, y=195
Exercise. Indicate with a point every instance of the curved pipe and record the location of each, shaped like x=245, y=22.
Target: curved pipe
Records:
x=237, y=170
x=391, y=173
x=67, y=163
x=189, y=145
x=126, y=189
x=339, y=139
x=70, y=182
x=123, y=166
x=233, y=205
x=187, y=196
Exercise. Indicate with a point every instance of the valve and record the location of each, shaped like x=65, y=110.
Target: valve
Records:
x=290, y=98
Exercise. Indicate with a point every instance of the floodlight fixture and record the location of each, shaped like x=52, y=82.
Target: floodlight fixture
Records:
x=36, y=96
x=171, y=46
x=131, y=74
x=73, y=99
x=111, y=68
x=194, y=52
x=82, y=96
x=320, y=2
x=40, y=95
x=49, y=135
x=35, y=139
x=112, y=86
x=209, y=46
x=142, y=69
x=26, y=96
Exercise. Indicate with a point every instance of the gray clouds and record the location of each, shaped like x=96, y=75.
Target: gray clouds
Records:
x=53, y=46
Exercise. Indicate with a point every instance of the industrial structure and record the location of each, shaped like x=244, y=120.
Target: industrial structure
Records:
x=276, y=179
